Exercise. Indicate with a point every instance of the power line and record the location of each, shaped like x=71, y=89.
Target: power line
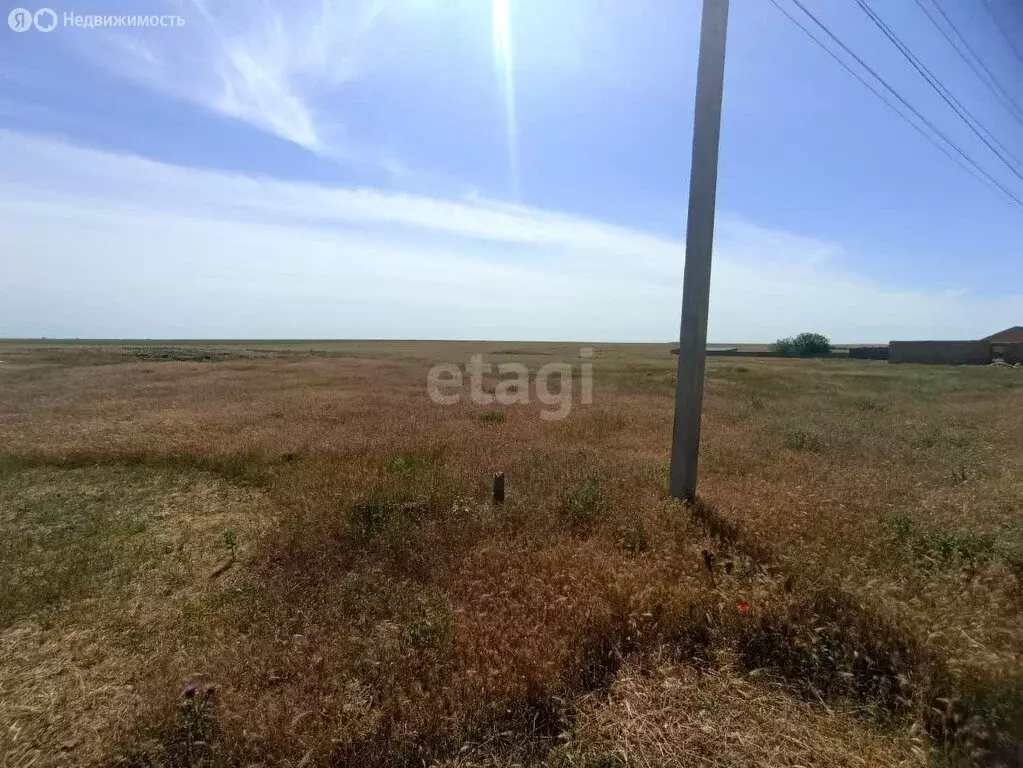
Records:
x=967, y=117
x=971, y=165
x=987, y=76
x=1005, y=34
x=887, y=102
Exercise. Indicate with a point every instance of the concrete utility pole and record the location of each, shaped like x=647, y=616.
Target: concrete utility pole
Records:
x=703, y=180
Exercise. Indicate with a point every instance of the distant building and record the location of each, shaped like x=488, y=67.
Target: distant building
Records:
x=869, y=352
x=940, y=352
x=1005, y=345
x=1012, y=335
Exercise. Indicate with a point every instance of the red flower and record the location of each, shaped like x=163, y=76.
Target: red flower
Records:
x=744, y=606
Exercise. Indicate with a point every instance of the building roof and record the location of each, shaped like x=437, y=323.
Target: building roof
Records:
x=1008, y=336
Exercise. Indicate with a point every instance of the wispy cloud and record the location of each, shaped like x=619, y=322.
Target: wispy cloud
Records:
x=104, y=244
x=274, y=64
x=104, y=179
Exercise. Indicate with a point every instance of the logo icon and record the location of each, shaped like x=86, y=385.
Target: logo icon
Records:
x=20, y=20
x=45, y=19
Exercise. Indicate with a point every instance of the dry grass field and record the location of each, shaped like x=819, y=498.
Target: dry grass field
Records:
x=287, y=555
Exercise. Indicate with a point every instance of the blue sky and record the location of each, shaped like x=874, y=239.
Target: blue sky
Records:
x=407, y=168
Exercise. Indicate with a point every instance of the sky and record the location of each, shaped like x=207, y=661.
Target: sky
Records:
x=495, y=169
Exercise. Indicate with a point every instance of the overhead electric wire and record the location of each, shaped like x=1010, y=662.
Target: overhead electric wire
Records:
x=987, y=76
x=881, y=95
x=970, y=166
x=1005, y=34
x=967, y=117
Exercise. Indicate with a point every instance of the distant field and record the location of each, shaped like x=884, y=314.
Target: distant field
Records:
x=298, y=531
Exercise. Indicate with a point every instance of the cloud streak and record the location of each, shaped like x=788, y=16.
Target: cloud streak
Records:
x=99, y=244
x=271, y=64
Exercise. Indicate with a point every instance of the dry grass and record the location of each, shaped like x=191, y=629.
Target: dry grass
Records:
x=383, y=612
x=667, y=715
x=678, y=716
x=104, y=568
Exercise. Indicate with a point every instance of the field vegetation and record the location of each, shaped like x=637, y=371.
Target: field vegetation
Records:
x=806, y=344
x=286, y=554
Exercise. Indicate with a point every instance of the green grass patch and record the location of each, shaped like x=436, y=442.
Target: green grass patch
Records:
x=59, y=544
x=941, y=544
x=583, y=504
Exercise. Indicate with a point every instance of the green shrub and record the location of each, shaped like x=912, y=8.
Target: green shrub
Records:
x=634, y=538
x=409, y=464
x=231, y=543
x=784, y=347
x=581, y=505
x=942, y=544
x=429, y=628
x=493, y=416
x=804, y=345
x=812, y=344
x=950, y=544
x=902, y=527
